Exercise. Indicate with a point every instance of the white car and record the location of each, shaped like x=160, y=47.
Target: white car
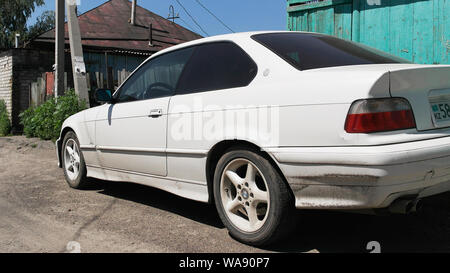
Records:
x=262, y=123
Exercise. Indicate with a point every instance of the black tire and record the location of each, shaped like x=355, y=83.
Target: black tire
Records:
x=80, y=181
x=281, y=218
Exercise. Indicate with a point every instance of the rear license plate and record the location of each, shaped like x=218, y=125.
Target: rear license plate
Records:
x=441, y=112
x=440, y=107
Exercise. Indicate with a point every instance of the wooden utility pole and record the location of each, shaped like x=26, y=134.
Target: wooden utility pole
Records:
x=59, y=48
x=76, y=51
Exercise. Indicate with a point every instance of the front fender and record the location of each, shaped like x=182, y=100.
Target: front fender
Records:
x=83, y=125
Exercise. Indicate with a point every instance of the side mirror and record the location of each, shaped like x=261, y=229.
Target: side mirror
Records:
x=103, y=96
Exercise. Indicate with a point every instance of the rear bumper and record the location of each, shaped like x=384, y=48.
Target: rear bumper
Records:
x=365, y=177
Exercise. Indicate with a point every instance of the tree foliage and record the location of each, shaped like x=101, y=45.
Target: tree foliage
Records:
x=5, y=123
x=13, y=19
x=44, y=23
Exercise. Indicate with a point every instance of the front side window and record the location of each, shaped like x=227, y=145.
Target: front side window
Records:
x=309, y=51
x=155, y=79
x=215, y=66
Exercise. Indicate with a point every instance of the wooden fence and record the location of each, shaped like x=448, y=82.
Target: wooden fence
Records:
x=43, y=88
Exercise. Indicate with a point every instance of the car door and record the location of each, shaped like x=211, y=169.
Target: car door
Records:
x=131, y=133
x=198, y=118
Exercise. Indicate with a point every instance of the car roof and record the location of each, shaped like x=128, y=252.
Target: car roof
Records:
x=235, y=37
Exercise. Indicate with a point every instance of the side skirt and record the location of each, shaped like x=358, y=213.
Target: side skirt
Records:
x=188, y=189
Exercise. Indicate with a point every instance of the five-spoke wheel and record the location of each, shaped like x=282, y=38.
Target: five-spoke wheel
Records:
x=244, y=195
x=72, y=159
x=73, y=162
x=252, y=199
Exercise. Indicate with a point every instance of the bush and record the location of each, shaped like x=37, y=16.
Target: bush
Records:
x=5, y=123
x=45, y=121
x=26, y=120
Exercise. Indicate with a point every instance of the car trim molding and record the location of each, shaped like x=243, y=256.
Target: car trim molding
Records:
x=87, y=147
x=146, y=150
x=148, y=175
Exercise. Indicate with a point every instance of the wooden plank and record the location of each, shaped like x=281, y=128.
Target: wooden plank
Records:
x=50, y=83
x=110, y=78
x=422, y=42
x=123, y=75
x=311, y=21
x=375, y=25
x=97, y=79
x=441, y=31
x=289, y=19
x=321, y=20
x=356, y=22
x=34, y=94
x=343, y=21
x=325, y=20
x=302, y=21
x=43, y=91
x=102, y=80
x=314, y=5
x=88, y=80
x=39, y=87
x=401, y=29
x=446, y=32
x=293, y=2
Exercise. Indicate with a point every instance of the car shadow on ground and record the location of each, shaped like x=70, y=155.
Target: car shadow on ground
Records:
x=334, y=232
x=197, y=211
x=316, y=231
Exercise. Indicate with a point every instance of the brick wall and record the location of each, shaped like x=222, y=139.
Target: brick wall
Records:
x=6, y=79
x=18, y=69
x=28, y=66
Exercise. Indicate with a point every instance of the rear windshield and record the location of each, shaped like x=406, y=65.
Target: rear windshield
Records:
x=309, y=50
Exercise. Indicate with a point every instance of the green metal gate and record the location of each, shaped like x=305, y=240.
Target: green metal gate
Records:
x=417, y=30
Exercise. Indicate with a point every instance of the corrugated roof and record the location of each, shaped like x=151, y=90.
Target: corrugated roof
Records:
x=108, y=26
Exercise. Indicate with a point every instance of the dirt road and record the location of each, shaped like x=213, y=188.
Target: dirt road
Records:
x=40, y=213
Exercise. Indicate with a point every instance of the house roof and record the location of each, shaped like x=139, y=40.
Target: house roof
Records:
x=108, y=27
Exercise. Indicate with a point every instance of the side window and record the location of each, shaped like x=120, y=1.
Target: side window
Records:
x=157, y=78
x=216, y=66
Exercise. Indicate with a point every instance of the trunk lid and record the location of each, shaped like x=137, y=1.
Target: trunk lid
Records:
x=427, y=88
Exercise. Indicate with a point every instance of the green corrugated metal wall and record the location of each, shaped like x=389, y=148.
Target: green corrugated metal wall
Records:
x=418, y=30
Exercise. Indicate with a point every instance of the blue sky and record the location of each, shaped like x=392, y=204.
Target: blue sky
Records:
x=239, y=15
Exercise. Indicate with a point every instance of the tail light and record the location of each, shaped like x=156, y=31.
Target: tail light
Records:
x=379, y=115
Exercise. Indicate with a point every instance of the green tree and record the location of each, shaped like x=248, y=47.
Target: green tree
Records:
x=13, y=19
x=44, y=23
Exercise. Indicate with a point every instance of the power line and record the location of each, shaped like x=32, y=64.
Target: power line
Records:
x=192, y=18
x=186, y=23
x=217, y=18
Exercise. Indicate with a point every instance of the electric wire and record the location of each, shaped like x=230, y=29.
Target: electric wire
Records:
x=192, y=18
x=217, y=18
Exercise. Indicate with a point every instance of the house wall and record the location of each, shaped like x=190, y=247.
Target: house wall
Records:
x=28, y=66
x=18, y=69
x=6, y=80
x=21, y=67
x=416, y=30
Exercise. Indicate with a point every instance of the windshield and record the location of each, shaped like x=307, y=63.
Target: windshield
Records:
x=310, y=50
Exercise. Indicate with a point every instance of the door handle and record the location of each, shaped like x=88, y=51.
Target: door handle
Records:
x=154, y=113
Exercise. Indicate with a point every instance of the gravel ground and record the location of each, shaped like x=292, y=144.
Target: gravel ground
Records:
x=40, y=213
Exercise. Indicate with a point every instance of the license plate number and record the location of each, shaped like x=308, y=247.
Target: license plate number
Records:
x=441, y=111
